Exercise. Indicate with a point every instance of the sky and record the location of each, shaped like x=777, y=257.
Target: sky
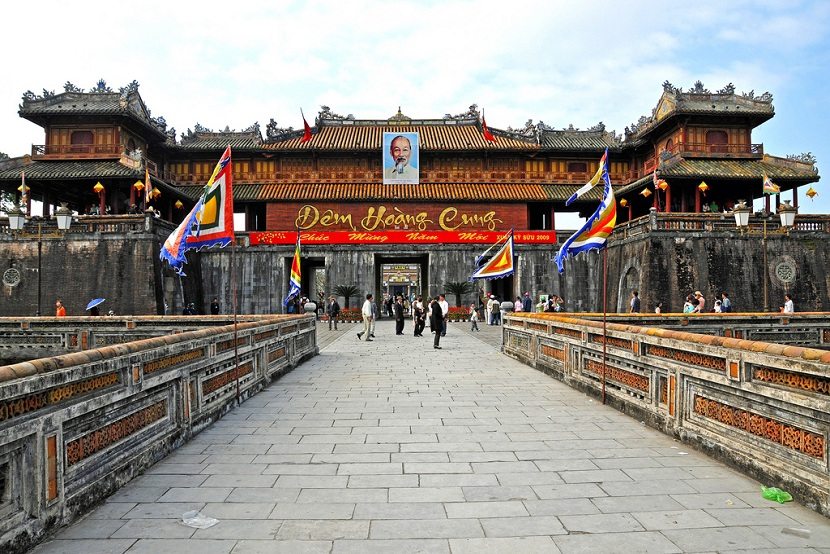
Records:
x=562, y=62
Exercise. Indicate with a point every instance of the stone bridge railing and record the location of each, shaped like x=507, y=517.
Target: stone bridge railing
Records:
x=75, y=427
x=761, y=407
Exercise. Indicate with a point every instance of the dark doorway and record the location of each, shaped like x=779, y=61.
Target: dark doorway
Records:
x=406, y=275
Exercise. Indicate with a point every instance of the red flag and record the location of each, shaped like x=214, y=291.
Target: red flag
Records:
x=306, y=130
x=488, y=136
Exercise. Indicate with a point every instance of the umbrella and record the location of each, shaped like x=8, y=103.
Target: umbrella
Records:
x=93, y=303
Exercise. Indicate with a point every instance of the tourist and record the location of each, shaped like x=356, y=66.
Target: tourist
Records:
x=725, y=304
x=689, y=305
x=190, y=309
x=527, y=303
x=789, y=306
x=659, y=308
x=333, y=311
x=701, y=303
x=366, y=312
x=518, y=305
x=60, y=311
x=718, y=307
x=635, y=302
x=214, y=307
x=436, y=321
x=445, y=313
x=399, y=321
x=495, y=312
x=474, y=318
x=419, y=316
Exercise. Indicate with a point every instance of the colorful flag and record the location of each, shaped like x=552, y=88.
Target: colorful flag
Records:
x=488, y=136
x=769, y=186
x=594, y=234
x=500, y=265
x=306, y=129
x=148, y=186
x=209, y=223
x=295, y=281
x=601, y=170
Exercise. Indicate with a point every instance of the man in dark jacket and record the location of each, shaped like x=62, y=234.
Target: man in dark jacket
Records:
x=397, y=307
x=333, y=310
x=527, y=303
x=436, y=321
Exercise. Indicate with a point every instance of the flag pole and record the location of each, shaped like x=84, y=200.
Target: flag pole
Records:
x=604, y=317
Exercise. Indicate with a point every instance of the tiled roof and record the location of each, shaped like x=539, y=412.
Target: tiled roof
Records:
x=435, y=135
x=379, y=191
x=218, y=141
x=72, y=170
x=129, y=104
x=593, y=141
x=776, y=169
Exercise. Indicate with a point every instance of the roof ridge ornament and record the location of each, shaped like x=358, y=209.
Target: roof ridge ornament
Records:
x=471, y=113
x=399, y=117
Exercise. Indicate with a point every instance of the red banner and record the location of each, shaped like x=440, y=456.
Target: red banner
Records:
x=399, y=237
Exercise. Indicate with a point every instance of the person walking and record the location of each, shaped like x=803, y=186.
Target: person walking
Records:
x=518, y=305
x=399, y=321
x=375, y=317
x=214, y=307
x=635, y=302
x=419, y=316
x=445, y=311
x=436, y=321
x=495, y=311
x=701, y=303
x=725, y=303
x=474, y=318
x=60, y=311
x=368, y=316
x=333, y=311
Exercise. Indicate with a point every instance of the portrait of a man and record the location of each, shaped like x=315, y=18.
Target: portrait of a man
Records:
x=400, y=158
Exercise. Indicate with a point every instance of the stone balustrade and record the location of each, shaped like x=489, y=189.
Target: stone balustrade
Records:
x=759, y=406
x=77, y=426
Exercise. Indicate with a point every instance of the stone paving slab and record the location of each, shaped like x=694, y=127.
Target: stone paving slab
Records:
x=392, y=446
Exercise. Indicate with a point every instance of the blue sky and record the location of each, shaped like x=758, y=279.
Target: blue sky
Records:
x=562, y=62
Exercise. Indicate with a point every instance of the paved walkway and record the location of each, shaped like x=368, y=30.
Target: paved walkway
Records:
x=391, y=446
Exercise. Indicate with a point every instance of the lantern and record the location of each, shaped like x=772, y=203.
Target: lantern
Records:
x=179, y=205
x=811, y=192
x=156, y=193
x=139, y=186
x=99, y=188
x=23, y=189
x=645, y=192
x=623, y=202
x=786, y=212
x=662, y=184
x=703, y=187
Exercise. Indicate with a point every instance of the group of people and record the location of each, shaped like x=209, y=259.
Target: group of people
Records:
x=436, y=311
x=696, y=303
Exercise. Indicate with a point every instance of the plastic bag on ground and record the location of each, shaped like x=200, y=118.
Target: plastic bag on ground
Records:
x=776, y=494
x=197, y=519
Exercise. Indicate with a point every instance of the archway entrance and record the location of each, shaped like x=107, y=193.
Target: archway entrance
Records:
x=404, y=276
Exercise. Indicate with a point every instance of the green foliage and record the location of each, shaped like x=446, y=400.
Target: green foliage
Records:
x=459, y=289
x=346, y=291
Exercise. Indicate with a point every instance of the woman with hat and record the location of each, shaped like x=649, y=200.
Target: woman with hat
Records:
x=701, y=303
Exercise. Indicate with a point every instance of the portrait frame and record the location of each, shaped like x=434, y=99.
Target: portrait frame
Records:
x=407, y=173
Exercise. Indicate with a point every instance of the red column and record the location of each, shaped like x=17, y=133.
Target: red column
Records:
x=766, y=203
x=697, y=200
x=629, y=212
x=668, y=199
x=102, y=203
x=795, y=197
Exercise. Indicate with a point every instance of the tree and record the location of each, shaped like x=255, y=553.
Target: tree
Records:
x=346, y=291
x=459, y=289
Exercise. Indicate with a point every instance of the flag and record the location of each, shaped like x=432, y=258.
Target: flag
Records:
x=601, y=170
x=306, y=129
x=295, y=281
x=148, y=186
x=488, y=136
x=769, y=186
x=500, y=265
x=594, y=233
x=209, y=223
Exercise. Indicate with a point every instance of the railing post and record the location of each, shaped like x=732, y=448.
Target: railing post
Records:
x=652, y=218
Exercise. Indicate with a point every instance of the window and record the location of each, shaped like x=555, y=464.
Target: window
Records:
x=265, y=169
x=297, y=163
x=82, y=137
x=669, y=145
x=180, y=170
x=241, y=170
x=577, y=167
x=717, y=141
x=535, y=166
x=504, y=164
